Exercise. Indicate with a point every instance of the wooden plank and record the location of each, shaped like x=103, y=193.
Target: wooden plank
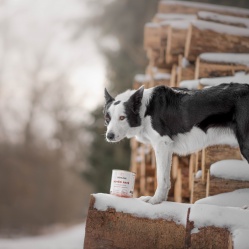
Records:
x=212, y=37
x=178, y=186
x=198, y=190
x=173, y=76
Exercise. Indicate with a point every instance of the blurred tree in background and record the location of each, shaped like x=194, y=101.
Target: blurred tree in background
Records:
x=42, y=135
x=120, y=39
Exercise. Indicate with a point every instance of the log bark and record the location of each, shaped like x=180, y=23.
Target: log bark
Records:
x=211, y=237
x=218, y=185
x=211, y=69
x=175, y=45
x=152, y=36
x=212, y=37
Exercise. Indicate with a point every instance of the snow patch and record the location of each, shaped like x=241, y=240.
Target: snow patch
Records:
x=232, y=218
x=224, y=18
x=231, y=169
x=221, y=28
x=241, y=239
x=176, y=16
x=72, y=238
x=227, y=58
x=136, y=207
x=189, y=84
x=237, y=198
x=180, y=24
x=207, y=6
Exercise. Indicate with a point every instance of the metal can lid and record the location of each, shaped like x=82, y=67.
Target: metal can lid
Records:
x=121, y=170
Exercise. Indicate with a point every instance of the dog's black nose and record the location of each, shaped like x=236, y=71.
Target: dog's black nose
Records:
x=110, y=135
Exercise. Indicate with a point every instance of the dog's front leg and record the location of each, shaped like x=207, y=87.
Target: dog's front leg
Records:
x=163, y=153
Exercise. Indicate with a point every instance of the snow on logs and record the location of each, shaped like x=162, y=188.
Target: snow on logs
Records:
x=224, y=19
x=220, y=64
x=115, y=222
x=167, y=7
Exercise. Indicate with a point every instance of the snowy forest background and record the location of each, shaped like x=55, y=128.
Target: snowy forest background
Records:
x=52, y=150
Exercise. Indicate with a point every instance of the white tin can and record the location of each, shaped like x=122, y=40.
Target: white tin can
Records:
x=122, y=183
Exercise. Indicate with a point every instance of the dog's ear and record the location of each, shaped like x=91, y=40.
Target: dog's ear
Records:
x=108, y=97
x=136, y=100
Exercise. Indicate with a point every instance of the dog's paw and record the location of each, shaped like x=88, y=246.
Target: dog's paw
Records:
x=145, y=198
x=151, y=199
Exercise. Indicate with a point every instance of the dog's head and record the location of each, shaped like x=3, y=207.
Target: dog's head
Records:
x=122, y=114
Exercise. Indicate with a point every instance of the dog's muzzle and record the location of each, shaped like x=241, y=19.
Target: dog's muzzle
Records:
x=110, y=136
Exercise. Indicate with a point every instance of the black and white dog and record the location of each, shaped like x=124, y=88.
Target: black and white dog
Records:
x=179, y=121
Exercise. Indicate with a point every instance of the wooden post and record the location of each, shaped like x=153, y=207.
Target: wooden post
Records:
x=208, y=183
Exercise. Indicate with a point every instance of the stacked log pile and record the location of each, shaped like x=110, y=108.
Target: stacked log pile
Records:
x=190, y=41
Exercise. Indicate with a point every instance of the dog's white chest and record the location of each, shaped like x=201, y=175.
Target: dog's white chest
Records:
x=197, y=139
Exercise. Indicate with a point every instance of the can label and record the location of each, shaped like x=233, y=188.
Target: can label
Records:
x=122, y=183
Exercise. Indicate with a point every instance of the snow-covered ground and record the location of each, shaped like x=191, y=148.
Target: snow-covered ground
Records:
x=71, y=238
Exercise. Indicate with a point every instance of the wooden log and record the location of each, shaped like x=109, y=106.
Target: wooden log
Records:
x=223, y=19
x=185, y=70
x=152, y=36
x=198, y=190
x=176, y=37
x=212, y=37
x=216, y=153
x=157, y=57
x=211, y=237
x=206, y=67
x=219, y=185
x=112, y=229
x=194, y=8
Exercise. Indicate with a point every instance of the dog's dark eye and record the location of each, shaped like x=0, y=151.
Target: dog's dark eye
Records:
x=121, y=117
x=107, y=119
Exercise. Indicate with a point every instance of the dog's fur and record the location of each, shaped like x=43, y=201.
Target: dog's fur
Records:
x=180, y=121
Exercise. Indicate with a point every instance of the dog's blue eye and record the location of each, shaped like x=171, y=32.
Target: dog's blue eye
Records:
x=121, y=117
